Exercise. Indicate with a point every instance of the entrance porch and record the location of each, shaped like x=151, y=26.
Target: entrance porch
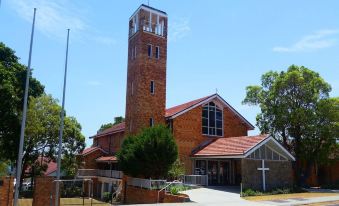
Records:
x=220, y=172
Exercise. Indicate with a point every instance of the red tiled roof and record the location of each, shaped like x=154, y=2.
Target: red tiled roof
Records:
x=51, y=165
x=107, y=159
x=114, y=129
x=174, y=110
x=90, y=149
x=229, y=146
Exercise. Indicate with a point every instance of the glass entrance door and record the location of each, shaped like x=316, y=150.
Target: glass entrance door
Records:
x=212, y=172
x=225, y=173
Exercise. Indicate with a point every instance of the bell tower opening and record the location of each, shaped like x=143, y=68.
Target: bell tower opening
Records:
x=146, y=69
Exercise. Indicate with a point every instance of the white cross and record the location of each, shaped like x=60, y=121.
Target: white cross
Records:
x=263, y=169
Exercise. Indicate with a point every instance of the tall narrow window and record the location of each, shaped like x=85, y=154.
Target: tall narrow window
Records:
x=151, y=122
x=212, y=122
x=157, y=52
x=132, y=53
x=152, y=87
x=132, y=88
x=149, y=50
x=135, y=52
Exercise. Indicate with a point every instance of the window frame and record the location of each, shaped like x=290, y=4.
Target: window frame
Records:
x=150, y=53
x=157, y=52
x=151, y=122
x=215, y=127
x=152, y=87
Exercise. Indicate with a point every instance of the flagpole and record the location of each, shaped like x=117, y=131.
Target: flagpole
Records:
x=61, y=125
x=23, y=121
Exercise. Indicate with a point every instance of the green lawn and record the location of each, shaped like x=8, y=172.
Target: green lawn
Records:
x=66, y=201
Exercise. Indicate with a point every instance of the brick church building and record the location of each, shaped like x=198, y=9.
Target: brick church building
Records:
x=212, y=137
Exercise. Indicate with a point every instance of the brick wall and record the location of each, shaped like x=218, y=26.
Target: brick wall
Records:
x=6, y=191
x=142, y=105
x=278, y=176
x=89, y=159
x=44, y=187
x=187, y=131
x=110, y=143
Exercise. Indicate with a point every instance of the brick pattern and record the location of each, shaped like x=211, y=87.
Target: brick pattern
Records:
x=142, y=105
x=136, y=195
x=187, y=131
x=44, y=188
x=110, y=143
x=89, y=160
x=6, y=191
x=278, y=176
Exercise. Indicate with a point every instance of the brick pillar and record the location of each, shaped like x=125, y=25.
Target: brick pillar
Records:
x=124, y=189
x=44, y=188
x=6, y=191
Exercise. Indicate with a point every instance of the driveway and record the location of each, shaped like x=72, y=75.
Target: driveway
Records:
x=218, y=196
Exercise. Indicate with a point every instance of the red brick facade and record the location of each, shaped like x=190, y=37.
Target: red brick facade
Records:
x=6, y=191
x=44, y=188
x=141, y=104
x=187, y=131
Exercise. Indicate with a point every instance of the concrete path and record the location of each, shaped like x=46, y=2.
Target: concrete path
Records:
x=301, y=201
x=219, y=196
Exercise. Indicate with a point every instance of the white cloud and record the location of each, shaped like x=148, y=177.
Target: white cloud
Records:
x=179, y=29
x=94, y=83
x=54, y=17
x=318, y=40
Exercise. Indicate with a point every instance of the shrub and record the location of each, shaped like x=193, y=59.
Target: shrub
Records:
x=175, y=189
x=149, y=154
x=107, y=196
x=177, y=170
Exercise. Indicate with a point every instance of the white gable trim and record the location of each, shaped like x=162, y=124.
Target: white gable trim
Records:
x=250, y=151
x=208, y=100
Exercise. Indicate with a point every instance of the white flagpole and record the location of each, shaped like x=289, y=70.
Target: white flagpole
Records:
x=23, y=121
x=61, y=125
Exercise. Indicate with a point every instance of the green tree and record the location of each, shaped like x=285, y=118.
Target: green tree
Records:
x=73, y=144
x=12, y=84
x=3, y=168
x=42, y=134
x=296, y=109
x=149, y=154
x=117, y=120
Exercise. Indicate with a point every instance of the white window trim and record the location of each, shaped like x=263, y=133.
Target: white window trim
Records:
x=152, y=122
x=215, y=115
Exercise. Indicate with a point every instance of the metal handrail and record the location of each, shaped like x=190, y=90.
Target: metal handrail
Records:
x=175, y=181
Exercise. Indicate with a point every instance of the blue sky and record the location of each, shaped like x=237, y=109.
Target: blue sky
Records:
x=212, y=44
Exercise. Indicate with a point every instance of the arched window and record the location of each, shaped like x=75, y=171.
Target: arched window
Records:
x=212, y=121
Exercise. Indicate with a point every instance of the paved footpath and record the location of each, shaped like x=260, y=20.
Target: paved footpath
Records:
x=302, y=201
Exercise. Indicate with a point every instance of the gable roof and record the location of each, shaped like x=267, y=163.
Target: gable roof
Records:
x=238, y=147
x=176, y=109
x=230, y=146
x=107, y=159
x=89, y=150
x=173, y=112
x=114, y=129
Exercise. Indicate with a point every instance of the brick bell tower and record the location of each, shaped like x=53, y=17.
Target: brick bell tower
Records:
x=146, y=70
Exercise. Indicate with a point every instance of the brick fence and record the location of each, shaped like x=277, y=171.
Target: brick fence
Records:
x=44, y=188
x=6, y=191
x=136, y=195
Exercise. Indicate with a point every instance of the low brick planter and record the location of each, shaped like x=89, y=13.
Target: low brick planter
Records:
x=169, y=198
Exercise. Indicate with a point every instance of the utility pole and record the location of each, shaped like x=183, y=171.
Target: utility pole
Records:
x=23, y=121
